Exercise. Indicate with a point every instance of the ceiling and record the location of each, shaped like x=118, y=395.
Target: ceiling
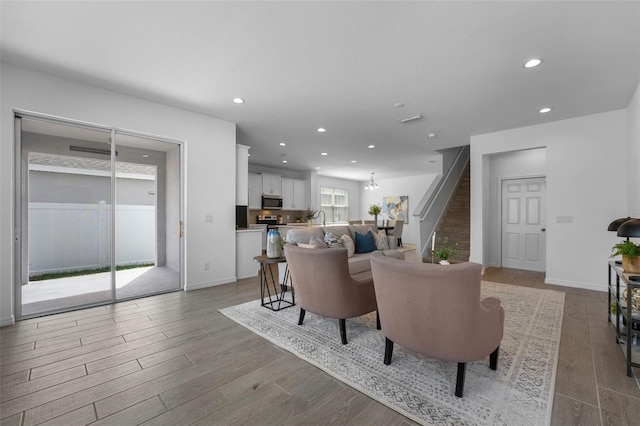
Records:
x=343, y=66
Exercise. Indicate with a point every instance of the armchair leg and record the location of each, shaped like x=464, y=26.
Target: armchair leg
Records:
x=388, y=351
x=462, y=367
x=343, y=330
x=493, y=359
x=378, y=320
x=301, y=317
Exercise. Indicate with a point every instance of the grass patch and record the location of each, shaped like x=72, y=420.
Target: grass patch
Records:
x=78, y=273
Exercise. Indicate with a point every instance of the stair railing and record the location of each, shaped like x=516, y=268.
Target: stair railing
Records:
x=434, y=203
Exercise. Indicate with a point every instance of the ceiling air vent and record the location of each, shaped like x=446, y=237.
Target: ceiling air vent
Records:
x=410, y=119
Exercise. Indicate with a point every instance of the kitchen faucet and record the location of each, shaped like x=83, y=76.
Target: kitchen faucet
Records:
x=324, y=217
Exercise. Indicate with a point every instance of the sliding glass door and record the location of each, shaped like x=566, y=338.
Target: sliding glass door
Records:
x=99, y=213
x=147, y=216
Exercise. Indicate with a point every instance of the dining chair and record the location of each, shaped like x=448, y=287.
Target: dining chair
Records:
x=397, y=231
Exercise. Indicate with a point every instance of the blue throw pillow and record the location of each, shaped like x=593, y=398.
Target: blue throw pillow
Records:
x=365, y=243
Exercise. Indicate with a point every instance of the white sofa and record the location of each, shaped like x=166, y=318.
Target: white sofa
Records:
x=358, y=263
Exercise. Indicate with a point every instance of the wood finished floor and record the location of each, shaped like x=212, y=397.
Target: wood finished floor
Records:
x=173, y=359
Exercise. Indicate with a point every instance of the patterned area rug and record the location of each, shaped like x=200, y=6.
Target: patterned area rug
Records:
x=520, y=392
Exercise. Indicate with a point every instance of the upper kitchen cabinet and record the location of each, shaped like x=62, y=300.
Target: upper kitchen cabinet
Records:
x=255, y=191
x=293, y=194
x=271, y=184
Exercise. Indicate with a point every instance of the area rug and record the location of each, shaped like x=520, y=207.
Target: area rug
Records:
x=520, y=392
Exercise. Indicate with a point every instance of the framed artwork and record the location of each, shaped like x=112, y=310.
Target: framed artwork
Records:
x=396, y=207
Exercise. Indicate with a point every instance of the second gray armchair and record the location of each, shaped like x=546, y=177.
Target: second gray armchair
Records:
x=436, y=310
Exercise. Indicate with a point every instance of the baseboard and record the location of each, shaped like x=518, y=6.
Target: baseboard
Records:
x=573, y=284
x=8, y=320
x=198, y=286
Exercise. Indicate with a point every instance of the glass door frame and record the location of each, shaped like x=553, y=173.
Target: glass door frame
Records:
x=20, y=243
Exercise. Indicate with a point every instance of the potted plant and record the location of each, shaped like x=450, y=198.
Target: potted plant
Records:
x=309, y=214
x=630, y=256
x=445, y=252
x=374, y=210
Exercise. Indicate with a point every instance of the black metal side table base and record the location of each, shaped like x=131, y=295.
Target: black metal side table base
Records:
x=272, y=293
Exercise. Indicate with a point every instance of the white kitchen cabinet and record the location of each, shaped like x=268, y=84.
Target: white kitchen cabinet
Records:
x=293, y=194
x=255, y=191
x=271, y=184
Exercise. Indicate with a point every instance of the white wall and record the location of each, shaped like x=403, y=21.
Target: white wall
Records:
x=209, y=157
x=586, y=179
x=413, y=186
x=633, y=157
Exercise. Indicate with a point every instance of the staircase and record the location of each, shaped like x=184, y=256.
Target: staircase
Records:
x=455, y=224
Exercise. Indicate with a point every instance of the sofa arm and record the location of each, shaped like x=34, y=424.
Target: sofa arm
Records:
x=396, y=254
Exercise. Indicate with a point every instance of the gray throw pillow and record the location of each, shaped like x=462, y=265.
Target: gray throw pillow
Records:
x=317, y=242
x=349, y=245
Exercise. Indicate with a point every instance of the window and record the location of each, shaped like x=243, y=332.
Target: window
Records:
x=335, y=203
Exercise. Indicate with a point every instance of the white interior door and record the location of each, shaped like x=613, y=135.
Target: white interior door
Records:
x=523, y=224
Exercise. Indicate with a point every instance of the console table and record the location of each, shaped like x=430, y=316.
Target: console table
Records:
x=272, y=293
x=624, y=317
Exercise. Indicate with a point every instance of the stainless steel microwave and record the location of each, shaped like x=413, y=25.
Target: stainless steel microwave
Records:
x=271, y=202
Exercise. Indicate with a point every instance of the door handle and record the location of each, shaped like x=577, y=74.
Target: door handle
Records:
x=181, y=233
x=543, y=229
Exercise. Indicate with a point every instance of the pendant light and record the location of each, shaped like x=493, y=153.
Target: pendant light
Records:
x=371, y=185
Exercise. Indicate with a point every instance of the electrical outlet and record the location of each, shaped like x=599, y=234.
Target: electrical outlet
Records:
x=206, y=266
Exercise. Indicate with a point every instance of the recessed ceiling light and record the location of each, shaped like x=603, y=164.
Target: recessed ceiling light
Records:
x=317, y=168
x=398, y=105
x=284, y=161
x=283, y=144
x=321, y=130
x=531, y=63
x=371, y=146
x=323, y=153
x=431, y=135
x=248, y=155
x=354, y=161
x=545, y=110
x=145, y=155
x=238, y=100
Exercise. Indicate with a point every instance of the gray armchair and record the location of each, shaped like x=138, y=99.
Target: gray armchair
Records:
x=324, y=286
x=436, y=310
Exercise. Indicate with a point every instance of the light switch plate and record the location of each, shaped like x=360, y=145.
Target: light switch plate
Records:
x=564, y=219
